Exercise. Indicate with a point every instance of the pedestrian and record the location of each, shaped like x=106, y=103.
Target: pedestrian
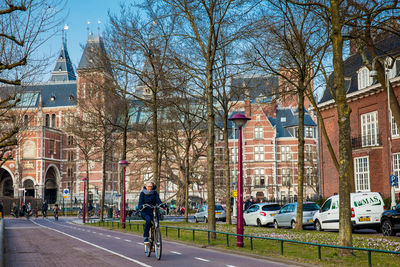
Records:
x=45, y=207
x=247, y=204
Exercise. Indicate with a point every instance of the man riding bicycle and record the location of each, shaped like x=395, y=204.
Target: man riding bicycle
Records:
x=149, y=196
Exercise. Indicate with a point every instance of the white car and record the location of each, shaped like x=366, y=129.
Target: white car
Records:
x=366, y=212
x=261, y=214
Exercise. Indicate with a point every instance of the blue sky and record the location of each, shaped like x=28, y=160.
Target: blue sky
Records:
x=79, y=12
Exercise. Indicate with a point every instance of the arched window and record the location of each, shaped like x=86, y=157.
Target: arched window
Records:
x=364, y=80
x=47, y=122
x=53, y=120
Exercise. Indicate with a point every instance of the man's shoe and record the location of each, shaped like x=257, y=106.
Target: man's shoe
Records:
x=146, y=241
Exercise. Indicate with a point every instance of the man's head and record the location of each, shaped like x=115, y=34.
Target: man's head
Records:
x=149, y=186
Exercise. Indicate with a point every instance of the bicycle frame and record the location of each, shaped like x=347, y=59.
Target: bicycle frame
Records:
x=155, y=234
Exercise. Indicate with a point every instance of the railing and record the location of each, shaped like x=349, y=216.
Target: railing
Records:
x=366, y=141
x=249, y=237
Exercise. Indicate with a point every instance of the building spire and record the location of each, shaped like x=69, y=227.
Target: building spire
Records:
x=63, y=70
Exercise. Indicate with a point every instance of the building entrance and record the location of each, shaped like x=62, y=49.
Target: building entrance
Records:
x=50, y=186
x=6, y=184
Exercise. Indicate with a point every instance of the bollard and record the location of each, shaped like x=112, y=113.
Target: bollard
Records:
x=179, y=232
x=166, y=230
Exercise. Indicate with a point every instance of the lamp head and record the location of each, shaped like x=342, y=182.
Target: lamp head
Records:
x=123, y=163
x=239, y=119
x=85, y=179
x=36, y=186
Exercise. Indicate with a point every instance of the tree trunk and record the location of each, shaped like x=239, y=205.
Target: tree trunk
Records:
x=103, y=190
x=210, y=152
x=345, y=153
x=227, y=172
x=300, y=160
x=87, y=188
x=156, y=177
x=187, y=173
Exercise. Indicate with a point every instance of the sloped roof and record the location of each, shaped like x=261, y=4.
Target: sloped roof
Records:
x=51, y=94
x=94, y=55
x=285, y=118
x=257, y=87
x=63, y=70
x=387, y=46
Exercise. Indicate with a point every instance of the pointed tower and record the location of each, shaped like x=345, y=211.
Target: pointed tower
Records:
x=63, y=71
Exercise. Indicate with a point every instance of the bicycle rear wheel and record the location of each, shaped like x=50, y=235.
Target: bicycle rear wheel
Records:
x=158, y=243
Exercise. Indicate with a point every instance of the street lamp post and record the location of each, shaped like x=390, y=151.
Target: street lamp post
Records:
x=374, y=74
x=240, y=119
x=84, y=199
x=123, y=164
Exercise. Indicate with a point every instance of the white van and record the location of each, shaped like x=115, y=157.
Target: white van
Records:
x=366, y=211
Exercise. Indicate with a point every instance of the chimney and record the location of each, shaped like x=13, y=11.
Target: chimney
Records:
x=247, y=107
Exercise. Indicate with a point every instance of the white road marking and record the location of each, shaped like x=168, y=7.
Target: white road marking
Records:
x=228, y=265
x=127, y=240
x=176, y=252
x=108, y=236
x=96, y=246
x=116, y=237
x=140, y=243
x=201, y=259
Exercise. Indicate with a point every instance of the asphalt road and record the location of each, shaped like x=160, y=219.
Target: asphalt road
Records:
x=45, y=242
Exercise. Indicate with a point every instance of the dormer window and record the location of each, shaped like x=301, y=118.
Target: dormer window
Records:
x=364, y=80
x=71, y=97
x=390, y=70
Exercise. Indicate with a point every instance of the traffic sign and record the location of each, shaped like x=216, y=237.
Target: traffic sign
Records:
x=234, y=193
x=66, y=191
x=394, y=180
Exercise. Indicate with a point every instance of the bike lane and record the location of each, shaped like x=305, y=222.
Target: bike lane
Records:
x=131, y=247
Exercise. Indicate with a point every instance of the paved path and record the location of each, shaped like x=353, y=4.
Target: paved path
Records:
x=45, y=242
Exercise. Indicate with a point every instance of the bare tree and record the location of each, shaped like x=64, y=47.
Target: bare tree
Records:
x=24, y=26
x=295, y=34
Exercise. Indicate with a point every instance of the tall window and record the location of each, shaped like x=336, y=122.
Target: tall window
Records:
x=70, y=140
x=70, y=155
x=369, y=129
x=310, y=176
x=286, y=177
x=234, y=154
x=51, y=147
x=258, y=153
x=285, y=153
x=70, y=172
x=395, y=129
x=361, y=173
x=396, y=167
x=259, y=178
x=309, y=152
x=47, y=121
x=309, y=132
x=364, y=80
x=53, y=120
x=26, y=120
x=220, y=153
x=258, y=132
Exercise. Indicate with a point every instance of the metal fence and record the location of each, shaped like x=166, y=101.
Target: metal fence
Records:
x=250, y=238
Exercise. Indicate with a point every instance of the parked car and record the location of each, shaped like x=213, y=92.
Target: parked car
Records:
x=287, y=215
x=366, y=212
x=390, y=221
x=261, y=214
x=202, y=214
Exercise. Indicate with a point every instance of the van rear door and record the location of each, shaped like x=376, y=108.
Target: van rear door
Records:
x=368, y=208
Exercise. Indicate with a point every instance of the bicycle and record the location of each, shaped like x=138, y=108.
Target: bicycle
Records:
x=155, y=234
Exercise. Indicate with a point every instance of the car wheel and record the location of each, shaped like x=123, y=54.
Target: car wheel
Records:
x=259, y=223
x=293, y=224
x=276, y=225
x=387, y=228
x=317, y=226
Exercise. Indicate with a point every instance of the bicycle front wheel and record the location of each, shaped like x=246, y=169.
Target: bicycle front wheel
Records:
x=158, y=243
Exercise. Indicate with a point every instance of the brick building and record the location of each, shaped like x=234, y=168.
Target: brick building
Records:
x=47, y=159
x=270, y=152
x=375, y=139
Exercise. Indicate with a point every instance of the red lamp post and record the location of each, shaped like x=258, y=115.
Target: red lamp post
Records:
x=84, y=200
x=240, y=120
x=123, y=164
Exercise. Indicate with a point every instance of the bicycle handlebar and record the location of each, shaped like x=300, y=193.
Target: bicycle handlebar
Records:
x=151, y=206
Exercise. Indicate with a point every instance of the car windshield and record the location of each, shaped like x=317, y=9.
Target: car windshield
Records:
x=218, y=207
x=310, y=207
x=271, y=207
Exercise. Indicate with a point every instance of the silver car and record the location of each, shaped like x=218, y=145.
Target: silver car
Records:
x=202, y=214
x=261, y=214
x=287, y=215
